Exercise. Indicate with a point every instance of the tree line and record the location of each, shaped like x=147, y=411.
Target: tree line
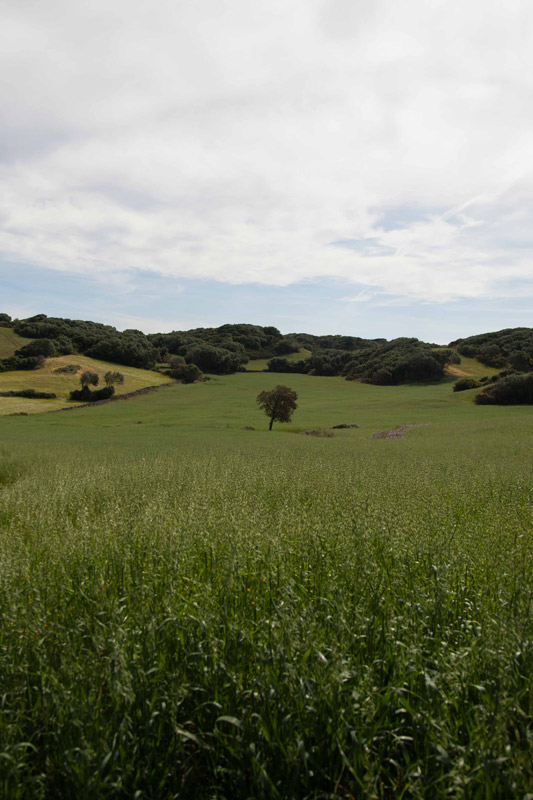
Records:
x=186, y=354
x=510, y=347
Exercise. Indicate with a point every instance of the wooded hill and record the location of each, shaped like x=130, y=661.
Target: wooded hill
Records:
x=228, y=348
x=512, y=347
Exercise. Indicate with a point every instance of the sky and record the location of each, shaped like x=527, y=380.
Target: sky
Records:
x=362, y=167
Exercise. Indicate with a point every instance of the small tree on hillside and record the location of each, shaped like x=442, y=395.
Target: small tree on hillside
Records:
x=89, y=378
x=113, y=377
x=278, y=404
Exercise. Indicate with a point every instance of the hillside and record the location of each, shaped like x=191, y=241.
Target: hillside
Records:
x=47, y=379
x=261, y=364
x=511, y=347
x=233, y=347
x=10, y=342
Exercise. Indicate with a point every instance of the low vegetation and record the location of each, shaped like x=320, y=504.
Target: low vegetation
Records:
x=29, y=393
x=228, y=348
x=509, y=390
x=378, y=362
x=512, y=347
x=85, y=395
x=192, y=610
x=194, y=607
x=463, y=384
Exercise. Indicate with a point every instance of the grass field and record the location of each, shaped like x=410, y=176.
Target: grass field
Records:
x=194, y=610
x=47, y=379
x=261, y=363
x=470, y=367
x=10, y=341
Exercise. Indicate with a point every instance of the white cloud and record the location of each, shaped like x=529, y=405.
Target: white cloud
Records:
x=237, y=141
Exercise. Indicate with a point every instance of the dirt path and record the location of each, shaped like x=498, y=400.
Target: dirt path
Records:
x=453, y=370
x=397, y=433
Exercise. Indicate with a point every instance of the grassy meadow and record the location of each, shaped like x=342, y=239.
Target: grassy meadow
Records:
x=195, y=610
x=10, y=341
x=261, y=363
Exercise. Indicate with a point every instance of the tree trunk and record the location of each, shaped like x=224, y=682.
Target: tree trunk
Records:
x=271, y=423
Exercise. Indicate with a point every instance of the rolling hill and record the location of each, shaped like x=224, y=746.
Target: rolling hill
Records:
x=48, y=379
x=10, y=342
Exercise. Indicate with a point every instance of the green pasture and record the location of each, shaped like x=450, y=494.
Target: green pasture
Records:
x=470, y=367
x=261, y=363
x=228, y=402
x=190, y=609
x=10, y=341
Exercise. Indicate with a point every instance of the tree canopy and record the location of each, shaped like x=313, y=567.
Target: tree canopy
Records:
x=278, y=403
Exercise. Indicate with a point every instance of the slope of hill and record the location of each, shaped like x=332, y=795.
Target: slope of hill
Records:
x=511, y=347
x=10, y=341
x=227, y=348
x=259, y=364
x=48, y=379
x=469, y=368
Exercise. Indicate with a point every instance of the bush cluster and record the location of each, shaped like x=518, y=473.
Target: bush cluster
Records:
x=29, y=393
x=511, y=390
x=85, y=395
x=466, y=383
x=68, y=369
x=379, y=362
x=511, y=347
x=16, y=362
x=223, y=349
x=65, y=336
x=181, y=371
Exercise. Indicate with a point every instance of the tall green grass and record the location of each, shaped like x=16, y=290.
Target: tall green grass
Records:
x=207, y=612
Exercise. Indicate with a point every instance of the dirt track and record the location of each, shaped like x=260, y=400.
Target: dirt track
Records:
x=397, y=433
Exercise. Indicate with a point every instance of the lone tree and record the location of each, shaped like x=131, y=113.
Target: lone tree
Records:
x=278, y=404
x=88, y=378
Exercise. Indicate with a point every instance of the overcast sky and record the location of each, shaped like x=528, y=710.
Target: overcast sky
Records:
x=350, y=166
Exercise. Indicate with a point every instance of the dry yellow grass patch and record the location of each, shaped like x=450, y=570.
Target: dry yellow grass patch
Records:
x=47, y=379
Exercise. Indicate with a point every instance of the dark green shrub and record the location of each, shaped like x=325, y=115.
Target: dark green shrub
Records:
x=213, y=359
x=520, y=361
x=512, y=390
x=285, y=346
x=85, y=395
x=68, y=369
x=102, y=394
x=16, y=363
x=381, y=377
x=466, y=383
x=504, y=373
x=181, y=371
x=446, y=356
x=29, y=393
x=82, y=395
x=279, y=364
x=467, y=350
x=39, y=347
